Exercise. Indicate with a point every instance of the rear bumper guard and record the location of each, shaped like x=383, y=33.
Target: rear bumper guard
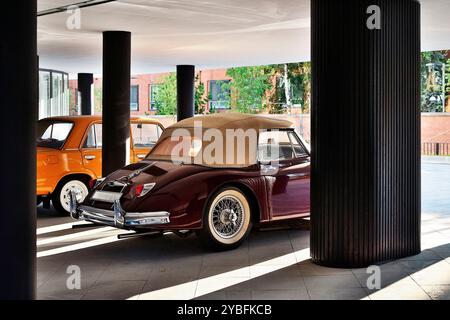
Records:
x=117, y=217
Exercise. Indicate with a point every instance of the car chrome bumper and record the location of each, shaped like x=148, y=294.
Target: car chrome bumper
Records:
x=117, y=217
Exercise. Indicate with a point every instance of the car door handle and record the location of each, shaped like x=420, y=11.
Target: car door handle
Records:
x=141, y=156
x=89, y=157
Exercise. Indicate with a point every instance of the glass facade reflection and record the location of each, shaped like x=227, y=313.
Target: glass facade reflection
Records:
x=53, y=93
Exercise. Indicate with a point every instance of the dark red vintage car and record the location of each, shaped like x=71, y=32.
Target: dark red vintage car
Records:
x=216, y=175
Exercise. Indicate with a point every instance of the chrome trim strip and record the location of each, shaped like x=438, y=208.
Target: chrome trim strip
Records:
x=121, y=219
x=106, y=196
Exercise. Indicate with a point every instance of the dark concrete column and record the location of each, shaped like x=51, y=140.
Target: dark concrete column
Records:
x=116, y=100
x=85, y=81
x=18, y=98
x=365, y=193
x=185, y=91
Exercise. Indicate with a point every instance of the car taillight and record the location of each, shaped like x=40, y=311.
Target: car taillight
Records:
x=139, y=190
x=92, y=183
x=142, y=189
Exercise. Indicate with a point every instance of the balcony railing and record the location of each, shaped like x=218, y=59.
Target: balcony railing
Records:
x=435, y=149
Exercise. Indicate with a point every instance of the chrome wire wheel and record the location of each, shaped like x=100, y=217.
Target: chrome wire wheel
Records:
x=229, y=216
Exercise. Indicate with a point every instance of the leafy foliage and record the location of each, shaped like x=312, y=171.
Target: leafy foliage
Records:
x=247, y=88
x=299, y=77
x=166, y=96
x=432, y=82
x=304, y=71
x=447, y=80
x=98, y=98
x=200, y=100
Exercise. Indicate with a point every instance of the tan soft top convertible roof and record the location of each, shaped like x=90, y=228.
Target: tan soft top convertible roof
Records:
x=234, y=121
x=222, y=122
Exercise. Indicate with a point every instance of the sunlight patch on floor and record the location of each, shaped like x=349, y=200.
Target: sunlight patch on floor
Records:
x=59, y=227
x=45, y=241
x=224, y=280
x=79, y=246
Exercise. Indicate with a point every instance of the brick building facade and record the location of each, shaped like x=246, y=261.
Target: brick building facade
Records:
x=143, y=87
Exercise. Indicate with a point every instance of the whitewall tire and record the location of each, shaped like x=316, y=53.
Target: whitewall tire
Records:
x=60, y=197
x=226, y=220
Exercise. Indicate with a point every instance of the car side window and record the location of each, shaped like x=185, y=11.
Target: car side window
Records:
x=299, y=150
x=94, y=137
x=275, y=146
x=145, y=135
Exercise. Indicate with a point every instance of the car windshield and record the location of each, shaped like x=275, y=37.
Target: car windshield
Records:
x=52, y=133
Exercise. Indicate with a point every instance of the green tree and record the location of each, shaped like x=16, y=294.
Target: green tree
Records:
x=166, y=96
x=277, y=92
x=200, y=101
x=432, y=82
x=447, y=80
x=304, y=71
x=98, y=98
x=298, y=92
x=247, y=89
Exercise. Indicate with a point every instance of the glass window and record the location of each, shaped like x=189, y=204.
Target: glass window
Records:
x=94, y=136
x=52, y=134
x=44, y=94
x=219, y=94
x=153, y=95
x=275, y=146
x=57, y=93
x=145, y=135
x=53, y=93
x=134, y=98
x=61, y=131
x=298, y=148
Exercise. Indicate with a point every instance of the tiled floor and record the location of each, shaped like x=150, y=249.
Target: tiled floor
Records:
x=270, y=265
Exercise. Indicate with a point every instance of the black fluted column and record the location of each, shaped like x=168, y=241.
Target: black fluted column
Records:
x=365, y=132
x=116, y=100
x=85, y=81
x=18, y=100
x=185, y=91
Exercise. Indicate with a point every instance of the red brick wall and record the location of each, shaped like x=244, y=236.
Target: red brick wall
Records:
x=436, y=127
x=145, y=80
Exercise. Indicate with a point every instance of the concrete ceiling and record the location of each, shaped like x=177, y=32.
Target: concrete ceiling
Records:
x=206, y=33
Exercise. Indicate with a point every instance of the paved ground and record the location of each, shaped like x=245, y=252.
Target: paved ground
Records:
x=270, y=265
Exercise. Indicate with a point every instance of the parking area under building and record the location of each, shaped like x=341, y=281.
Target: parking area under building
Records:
x=273, y=264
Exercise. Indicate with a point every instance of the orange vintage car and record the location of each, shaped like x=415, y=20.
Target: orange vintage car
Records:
x=69, y=154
